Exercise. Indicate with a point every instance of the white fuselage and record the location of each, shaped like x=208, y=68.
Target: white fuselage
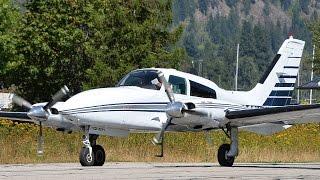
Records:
x=131, y=108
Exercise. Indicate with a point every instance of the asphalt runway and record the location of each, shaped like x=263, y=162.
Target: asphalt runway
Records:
x=124, y=170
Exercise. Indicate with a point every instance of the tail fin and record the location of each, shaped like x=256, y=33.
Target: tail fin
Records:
x=276, y=86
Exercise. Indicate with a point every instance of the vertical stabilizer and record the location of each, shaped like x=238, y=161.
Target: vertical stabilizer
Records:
x=276, y=86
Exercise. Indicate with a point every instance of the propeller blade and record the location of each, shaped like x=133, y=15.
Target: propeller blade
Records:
x=40, y=141
x=20, y=101
x=159, y=137
x=167, y=87
x=57, y=97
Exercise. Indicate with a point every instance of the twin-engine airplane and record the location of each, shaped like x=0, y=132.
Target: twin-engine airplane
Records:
x=159, y=100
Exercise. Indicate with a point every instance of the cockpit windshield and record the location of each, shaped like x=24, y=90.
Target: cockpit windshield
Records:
x=147, y=79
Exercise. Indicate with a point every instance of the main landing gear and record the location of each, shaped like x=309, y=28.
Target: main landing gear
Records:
x=91, y=154
x=228, y=152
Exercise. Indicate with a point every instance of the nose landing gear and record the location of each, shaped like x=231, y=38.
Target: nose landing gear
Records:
x=99, y=155
x=91, y=154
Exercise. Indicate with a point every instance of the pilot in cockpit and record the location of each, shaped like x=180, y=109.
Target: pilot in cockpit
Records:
x=147, y=79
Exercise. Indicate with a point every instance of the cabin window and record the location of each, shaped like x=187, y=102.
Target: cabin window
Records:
x=178, y=84
x=144, y=79
x=200, y=90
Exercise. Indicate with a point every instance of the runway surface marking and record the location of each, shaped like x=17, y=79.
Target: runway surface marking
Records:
x=140, y=170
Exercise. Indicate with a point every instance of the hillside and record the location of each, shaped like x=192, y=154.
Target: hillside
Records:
x=257, y=11
x=213, y=28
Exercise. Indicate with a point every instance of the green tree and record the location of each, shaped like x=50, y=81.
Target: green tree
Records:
x=315, y=29
x=87, y=44
x=304, y=4
x=10, y=21
x=266, y=8
x=183, y=9
x=132, y=35
x=246, y=7
x=53, y=44
x=248, y=71
x=247, y=47
x=299, y=28
x=231, y=3
x=262, y=47
x=214, y=70
x=285, y=4
x=203, y=5
x=276, y=35
x=189, y=40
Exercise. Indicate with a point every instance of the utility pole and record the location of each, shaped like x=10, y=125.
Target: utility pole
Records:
x=237, y=66
x=311, y=78
x=298, y=91
x=200, y=67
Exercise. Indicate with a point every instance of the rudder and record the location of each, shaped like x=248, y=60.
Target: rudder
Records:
x=279, y=79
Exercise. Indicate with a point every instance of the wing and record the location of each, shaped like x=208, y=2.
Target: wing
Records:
x=286, y=115
x=16, y=116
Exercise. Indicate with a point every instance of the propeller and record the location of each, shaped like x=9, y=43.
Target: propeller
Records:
x=40, y=113
x=174, y=110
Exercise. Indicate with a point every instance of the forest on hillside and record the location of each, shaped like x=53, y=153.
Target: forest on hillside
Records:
x=213, y=28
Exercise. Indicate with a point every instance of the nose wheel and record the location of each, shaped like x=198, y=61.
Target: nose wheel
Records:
x=86, y=159
x=91, y=154
x=97, y=158
x=99, y=155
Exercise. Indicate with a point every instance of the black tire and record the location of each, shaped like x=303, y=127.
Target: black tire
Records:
x=222, y=156
x=84, y=157
x=99, y=155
